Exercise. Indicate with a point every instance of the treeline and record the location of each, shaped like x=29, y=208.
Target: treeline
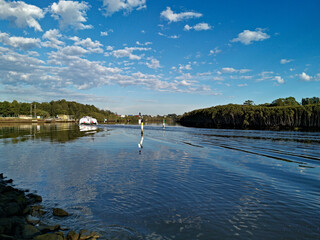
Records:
x=52, y=109
x=282, y=113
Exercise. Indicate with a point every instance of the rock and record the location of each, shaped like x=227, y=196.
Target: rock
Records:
x=49, y=236
x=34, y=197
x=37, y=211
x=47, y=228
x=60, y=212
x=85, y=234
x=36, y=207
x=30, y=231
x=9, y=181
x=72, y=235
x=32, y=220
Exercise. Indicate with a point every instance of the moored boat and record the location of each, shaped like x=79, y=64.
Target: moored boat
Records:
x=88, y=121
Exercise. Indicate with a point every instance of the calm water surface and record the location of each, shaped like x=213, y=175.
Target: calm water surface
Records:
x=184, y=183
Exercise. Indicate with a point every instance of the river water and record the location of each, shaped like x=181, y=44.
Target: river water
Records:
x=184, y=183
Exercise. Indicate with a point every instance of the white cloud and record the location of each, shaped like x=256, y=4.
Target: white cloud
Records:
x=106, y=33
x=172, y=36
x=169, y=15
x=198, y=27
x=67, y=68
x=154, y=64
x=70, y=13
x=187, y=27
x=143, y=44
x=242, y=85
x=74, y=51
x=214, y=51
x=19, y=42
x=92, y=46
x=233, y=70
x=53, y=36
x=279, y=79
x=128, y=52
x=265, y=76
x=284, y=61
x=305, y=77
x=247, y=37
x=112, y=6
x=185, y=67
x=21, y=14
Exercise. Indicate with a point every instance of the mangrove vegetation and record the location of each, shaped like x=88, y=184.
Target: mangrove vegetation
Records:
x=282, y=113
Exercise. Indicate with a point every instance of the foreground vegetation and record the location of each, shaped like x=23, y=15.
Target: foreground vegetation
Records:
x=283, y=113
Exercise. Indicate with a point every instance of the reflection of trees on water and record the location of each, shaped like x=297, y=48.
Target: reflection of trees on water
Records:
x=61, y=132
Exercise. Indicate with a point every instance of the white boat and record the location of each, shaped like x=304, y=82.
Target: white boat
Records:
x=88, y=121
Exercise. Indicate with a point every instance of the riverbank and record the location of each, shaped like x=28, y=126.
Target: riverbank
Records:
x=33, y=120
x=21, y=217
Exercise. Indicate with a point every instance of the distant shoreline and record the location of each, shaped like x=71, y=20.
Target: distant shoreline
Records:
x=33, y=120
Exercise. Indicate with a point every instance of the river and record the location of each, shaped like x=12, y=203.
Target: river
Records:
x=184, y=183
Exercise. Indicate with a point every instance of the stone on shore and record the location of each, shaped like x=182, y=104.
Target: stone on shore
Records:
x=60, y=212
x=46, y=228
x=85, y=234
x=32, y=220
x=72, y=235
x=49, y=236
x=30, y=231
x=34, y=198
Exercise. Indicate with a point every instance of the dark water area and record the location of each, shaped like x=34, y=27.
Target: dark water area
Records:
x=185, y=183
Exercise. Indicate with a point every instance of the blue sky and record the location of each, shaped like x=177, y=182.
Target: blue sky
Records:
x=159, y=57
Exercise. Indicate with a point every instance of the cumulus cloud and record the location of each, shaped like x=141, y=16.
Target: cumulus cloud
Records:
x=307, y=78
x=21, y=14
x=92, y=46
x=112, y=6
x=284, y=61
x=279, y=79
x=214, y=51
x=154, y=63
x=127, y=52
x=233, y=70
x=198, y=27
x=170, y=16
x=70, y=13
x=52, y=36
x=247, y=37
x=19, y=42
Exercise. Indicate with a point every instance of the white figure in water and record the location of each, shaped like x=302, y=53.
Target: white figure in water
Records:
x=164, y=123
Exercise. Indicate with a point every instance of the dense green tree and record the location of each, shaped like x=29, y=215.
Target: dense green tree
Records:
x=314, y=100
x=289, y=101
x=248, y=102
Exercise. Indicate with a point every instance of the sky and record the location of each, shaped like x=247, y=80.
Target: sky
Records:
x=159, y=57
